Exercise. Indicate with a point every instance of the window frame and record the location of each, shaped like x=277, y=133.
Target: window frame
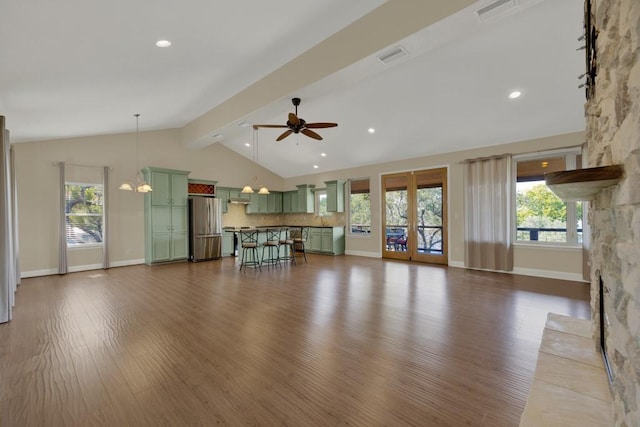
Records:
x=349, y=209
x=93, y=245
x=318, y=194
x=571, y=155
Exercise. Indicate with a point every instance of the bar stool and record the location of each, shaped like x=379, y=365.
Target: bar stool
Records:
x=249, y=243
x=299, y=241
x=273, y=245
x=289, y=248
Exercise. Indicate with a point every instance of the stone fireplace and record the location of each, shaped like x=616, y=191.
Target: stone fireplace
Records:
x=613, y=138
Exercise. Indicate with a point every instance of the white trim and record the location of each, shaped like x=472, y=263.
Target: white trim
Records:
x=365, y=254
x=127, y=262
x=546, y=246
x=38, y=273
x=78, y=268
x=556, y=151
x=549, y=274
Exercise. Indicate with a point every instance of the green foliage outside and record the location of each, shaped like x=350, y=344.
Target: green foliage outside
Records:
x=539, y=207
x=428, y=211
x=84, y=208
x=360, y=211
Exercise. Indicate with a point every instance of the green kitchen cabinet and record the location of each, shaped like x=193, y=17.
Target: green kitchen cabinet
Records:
x=274, y=202
x=306, y=198
x=223, y=195
x=335, y=196
x=326, y=240
x=258, y=204
x=166, y=215
x=290, y=201
x=315, y=240
x=228, y=248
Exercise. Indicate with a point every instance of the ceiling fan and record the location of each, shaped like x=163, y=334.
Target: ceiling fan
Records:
x=297, y=125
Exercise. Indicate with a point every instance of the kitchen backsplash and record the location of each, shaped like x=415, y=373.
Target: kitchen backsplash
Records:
x=237, y=217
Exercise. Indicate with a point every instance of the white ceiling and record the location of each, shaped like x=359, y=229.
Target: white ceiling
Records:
x=76, y=68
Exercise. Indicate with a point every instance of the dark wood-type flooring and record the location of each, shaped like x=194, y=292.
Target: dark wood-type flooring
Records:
x=338, y=341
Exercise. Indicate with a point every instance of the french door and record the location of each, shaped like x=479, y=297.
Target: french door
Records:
x=415, y=216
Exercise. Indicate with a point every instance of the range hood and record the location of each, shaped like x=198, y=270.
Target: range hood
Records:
x=239, y=200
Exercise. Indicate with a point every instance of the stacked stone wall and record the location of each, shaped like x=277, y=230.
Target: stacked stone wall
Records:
x=613, y=137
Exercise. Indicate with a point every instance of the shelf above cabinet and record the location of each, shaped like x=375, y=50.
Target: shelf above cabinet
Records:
x=583, y=184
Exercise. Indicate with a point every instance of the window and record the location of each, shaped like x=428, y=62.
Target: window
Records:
x=84, y=214
x=359, y=206
x=321, y=203
x=540, y=215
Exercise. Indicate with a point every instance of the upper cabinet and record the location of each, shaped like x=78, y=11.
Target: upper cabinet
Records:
x=306, y=199
x=335, y=196
x=265, y=203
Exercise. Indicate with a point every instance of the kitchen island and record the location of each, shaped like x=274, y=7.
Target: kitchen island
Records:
x=325, y=240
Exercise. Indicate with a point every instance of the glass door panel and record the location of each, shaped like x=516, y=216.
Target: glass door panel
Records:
x=430, y=216
x=396, y=216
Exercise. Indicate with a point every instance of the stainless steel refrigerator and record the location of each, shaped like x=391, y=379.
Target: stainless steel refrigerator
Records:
x=205, y=228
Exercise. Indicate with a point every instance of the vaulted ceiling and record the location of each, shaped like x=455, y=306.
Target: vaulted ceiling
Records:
x=75, y=68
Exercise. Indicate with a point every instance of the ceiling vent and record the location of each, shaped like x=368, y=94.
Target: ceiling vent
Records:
x=392, y=55
x=495, y=8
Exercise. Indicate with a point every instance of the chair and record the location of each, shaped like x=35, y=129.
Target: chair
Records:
x=286, y=241
x=249, y=243
x=272, y=244
x=299, y=238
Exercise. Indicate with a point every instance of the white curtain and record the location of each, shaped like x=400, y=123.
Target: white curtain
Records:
x=62, y=224
x=489, y=213
x=8, y=254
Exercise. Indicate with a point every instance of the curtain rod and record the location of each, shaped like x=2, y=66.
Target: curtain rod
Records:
x=479, y=159
x=497, y=156
x=57, y=163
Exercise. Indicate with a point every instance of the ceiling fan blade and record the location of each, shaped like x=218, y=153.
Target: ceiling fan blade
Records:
x=293, y=119
x=311, y=134
x=269, y=126
x=320, y=125
x=285, y=134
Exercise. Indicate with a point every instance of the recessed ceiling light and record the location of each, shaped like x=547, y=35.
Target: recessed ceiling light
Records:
x=246, y=144
x=315, y=166
x=244, y=124
x=371, y=130
x=217, y=135
x=163, y=43
x=323, y=154
x=515, y=94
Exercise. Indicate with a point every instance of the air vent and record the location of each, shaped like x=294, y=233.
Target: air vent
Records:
x=495, y=8
x=392, y=55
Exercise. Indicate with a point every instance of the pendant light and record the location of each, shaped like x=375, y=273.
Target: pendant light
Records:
x=247, y=189
x=141, y=185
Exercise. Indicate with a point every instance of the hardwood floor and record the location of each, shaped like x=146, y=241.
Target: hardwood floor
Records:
x=338, y=341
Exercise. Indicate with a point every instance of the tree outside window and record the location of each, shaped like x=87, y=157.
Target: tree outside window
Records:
x=540, y=215
x=84, y=214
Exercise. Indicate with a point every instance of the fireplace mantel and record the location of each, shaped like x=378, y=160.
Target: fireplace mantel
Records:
x=583, y=184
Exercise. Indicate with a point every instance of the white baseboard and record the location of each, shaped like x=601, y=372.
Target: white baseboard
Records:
x=77, y=268
x=127, y=263
x=549, y=274
x=38, y=273
x=365, y=254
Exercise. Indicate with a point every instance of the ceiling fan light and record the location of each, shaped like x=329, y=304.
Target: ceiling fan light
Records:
x=263, y=190
x=247, y=189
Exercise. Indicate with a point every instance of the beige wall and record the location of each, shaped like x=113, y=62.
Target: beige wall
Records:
x=38, y=196
x=37, y=180
x=551, y=262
